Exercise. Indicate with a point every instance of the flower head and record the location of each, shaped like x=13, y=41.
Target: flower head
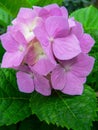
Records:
x=69, y=76
x=28, y=82
x=48, y=50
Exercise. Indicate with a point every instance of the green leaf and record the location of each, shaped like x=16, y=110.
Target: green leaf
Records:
x=14, y=6
x=76, y=112
x=88, y=17
x=45, y=2
x=5, y=17
x=14, y=106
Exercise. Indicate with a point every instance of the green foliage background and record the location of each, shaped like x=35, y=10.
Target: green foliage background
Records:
x=20, y=111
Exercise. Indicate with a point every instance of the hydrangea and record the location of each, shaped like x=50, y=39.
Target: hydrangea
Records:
x=48, y=50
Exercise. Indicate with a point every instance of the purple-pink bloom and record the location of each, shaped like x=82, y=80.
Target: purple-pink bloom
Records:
x=69, y=76
x=18, y=51
x=28, y=82
x=37, y=60
x=86, y=41
x=25, y=22
x=15, y=49
x=48, y=50
x=50, y=10
x=55, y=40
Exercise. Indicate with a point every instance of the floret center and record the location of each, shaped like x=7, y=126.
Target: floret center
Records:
x=21, y=48
x=51, y=39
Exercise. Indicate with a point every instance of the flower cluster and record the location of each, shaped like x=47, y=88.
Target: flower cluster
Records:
x=49, y=50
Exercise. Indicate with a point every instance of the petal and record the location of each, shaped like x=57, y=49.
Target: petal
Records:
x=30, y=56
x=19, y=37
x=17, y=33
x=66, y=48
x=41, y=35
x=49, y=53
x=71, y=22
x=25, y=82
x=64, y=12
x=83, y=65
x=58, y=27
x=23, y=68
x=8, y=42
x=12, y=59
x=42, y=85
x=43, y=66
x=51, y=6
x=86, y=43
x=20, y=32
x=58, y=78
x=77, y=30
x=43, y=13
x=37, y=9
x=55, y=12
x=73, y=85
x=24, y=15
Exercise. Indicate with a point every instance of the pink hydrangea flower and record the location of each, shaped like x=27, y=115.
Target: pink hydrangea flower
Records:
x=48, y=50
x=37, y=59
x=18, y=51
x=25, y=22
x=55, y=40
x=69, y=76
x=28, y=82
x=50, y=10
x=15, y=49
x=86, y=41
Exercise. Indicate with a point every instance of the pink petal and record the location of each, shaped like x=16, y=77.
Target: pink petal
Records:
x=19, y=37
x=43, y=66
x=82, y=79
x=16, y=33
x=23, y=68
x=25, y=82
x=83, y=65
x=66, y=48
x=24, y=15
x=43, y=13
x=12, y=59
x=42, y=85
x=49, y=53
x=71, y=22
x=41, y=35
x=24, y=29
x=37, y=9
x=73, y=85
x=64, y=12
x=30, y=56
x=86, y=43
x=51, y=6
x=58, y=78
x=58, y=27
x=77, y=30
x=55, y=12
x=8, y=42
